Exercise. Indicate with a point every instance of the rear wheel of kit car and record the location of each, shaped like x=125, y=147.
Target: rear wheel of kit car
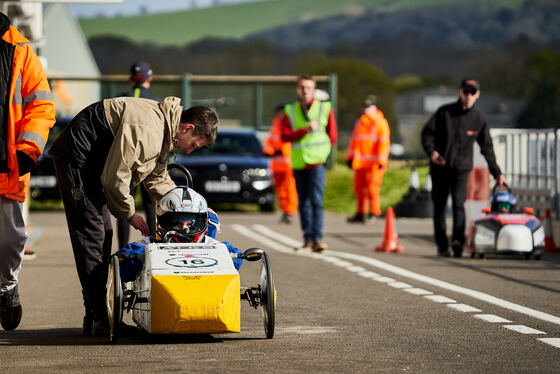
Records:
x=268, y=296
x=114, y=299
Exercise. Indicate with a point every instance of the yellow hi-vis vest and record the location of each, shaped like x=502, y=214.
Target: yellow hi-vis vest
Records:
x=315, y=147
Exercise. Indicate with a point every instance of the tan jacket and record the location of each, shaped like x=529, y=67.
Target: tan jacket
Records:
x=144, y=131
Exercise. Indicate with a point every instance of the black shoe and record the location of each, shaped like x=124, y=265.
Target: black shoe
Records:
x=356, y=218
x=444, y=254
x=100, y=329
x=10, y=309
x=457, y=248
x=87, y=326
x=286, y=218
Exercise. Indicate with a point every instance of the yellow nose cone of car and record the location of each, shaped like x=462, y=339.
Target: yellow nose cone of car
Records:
x=195, y=304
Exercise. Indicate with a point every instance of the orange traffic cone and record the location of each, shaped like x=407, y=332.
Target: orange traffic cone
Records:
x=390, y=237
x=549, y=245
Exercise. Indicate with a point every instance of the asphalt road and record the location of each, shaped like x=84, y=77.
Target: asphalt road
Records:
x=348, y=310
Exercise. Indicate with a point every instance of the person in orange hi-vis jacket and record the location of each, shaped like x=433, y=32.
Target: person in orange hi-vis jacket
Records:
x=368, y=153
x=27, y=116
x=281, y=166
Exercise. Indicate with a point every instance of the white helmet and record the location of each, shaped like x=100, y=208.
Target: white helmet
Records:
x=180, y=205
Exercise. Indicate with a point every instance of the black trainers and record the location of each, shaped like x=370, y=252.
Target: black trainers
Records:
x=356, y=218
x=10, y=309
x=100, y=329
x=457, y=248
x=371, y=217
x=286, y=218
x=87, y=326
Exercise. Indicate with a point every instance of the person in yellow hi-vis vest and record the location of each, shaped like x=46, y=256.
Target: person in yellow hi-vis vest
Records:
x=281, y=166
x=368, y=153
x=310, y=126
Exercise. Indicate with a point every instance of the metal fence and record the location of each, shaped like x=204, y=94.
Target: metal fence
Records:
x=530, y=161
x=240, y=100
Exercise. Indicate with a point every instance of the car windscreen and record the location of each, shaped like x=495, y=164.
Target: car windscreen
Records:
x=232, y=144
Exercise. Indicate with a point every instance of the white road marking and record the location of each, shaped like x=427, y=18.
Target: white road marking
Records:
x=356, y=269
x=272, y=244
x=523, y=329
x=306, y=329
x=450, y=287
x=418, y=291
x=464, y=308
x=399, y=285
x=492, y=318
x=273, y=234
x=369, y=274
x=384, y=279
x=440, y=299
x=552, y=341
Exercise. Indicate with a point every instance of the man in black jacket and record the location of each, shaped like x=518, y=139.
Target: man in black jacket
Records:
x=448, y=139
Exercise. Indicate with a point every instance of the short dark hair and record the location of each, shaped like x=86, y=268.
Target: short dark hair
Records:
x=305, y=77
x=205, y=122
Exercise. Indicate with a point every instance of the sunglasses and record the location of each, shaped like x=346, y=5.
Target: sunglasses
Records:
x=469, y=90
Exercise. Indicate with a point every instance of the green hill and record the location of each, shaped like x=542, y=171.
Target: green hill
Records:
x=239, y=20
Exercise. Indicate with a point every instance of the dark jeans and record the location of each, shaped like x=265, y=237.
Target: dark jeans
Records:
x=310, y=186
x=444, y=181
x=91, y=233
x=123, y=227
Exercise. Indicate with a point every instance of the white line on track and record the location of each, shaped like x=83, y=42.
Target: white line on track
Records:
x=269, y=238
x=418, y=291
x=552, y=341
x=440, y=299
x=523, y=329
x=492, y=318
x=464, y=308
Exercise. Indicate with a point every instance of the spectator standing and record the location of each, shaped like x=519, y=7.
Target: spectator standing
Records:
x=281, y=166
x=28, y=114
x=107, y=147
x=310, y=126
x=447, y=139
x=141, y=80
x=367, y=155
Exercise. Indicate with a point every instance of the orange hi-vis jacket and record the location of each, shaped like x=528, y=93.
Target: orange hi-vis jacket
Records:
x=28, y=111
x=370, y=142
x=280, y=163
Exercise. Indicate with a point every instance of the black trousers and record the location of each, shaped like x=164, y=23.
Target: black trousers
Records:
x=91, y=233
x=123, y=227
x=445, y=181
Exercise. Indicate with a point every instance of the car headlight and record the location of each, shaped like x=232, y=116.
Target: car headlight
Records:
x=261, y=185
x=538, y=237
x=484, y=236
x=256, y=172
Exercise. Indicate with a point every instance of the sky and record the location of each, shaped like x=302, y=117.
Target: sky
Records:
x=135, y=7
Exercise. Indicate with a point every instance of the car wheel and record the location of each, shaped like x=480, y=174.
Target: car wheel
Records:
x=267, y=207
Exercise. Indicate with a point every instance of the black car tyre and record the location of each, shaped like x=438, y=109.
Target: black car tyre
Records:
x=268, y=296
x=114, y=299
x=267, y=207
